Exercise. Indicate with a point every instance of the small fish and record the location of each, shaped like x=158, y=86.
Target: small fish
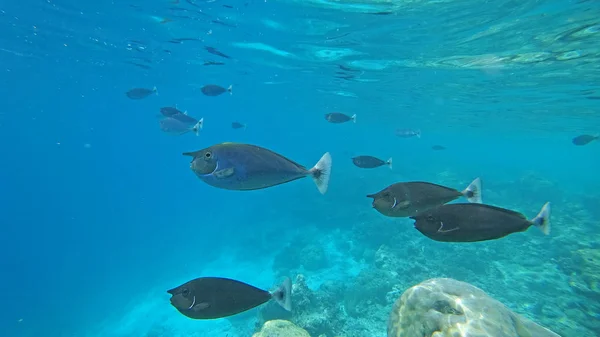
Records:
x=217, y=297
x=410, y=198
x=584, y=139
x=213, y=63
x=338, y=117
x=219, y=22
x=408, y=133
x=175, y=126
x=215, y=90
x=245, y=167
x=438, y=147
x=169, y=111
x=139, y=93
x=370, y=162
x=214, y=51
x=476, y=222
x=238, y=125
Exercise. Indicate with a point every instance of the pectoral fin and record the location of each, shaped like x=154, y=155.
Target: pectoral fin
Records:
x=224, y=173
x=402, y=204
x=201, y=306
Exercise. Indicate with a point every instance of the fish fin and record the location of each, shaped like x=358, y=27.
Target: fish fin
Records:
x=322, y=172
x=418, y=133
x=230, y=89
x=155, y=90
x=402, y=204
x=283, y=294
x=389, y=162
x=473, y=191
x=201, y=306
x=185, y=112
x=196, y=128
x=542, y=220
x=224, y=173
x=353, y=118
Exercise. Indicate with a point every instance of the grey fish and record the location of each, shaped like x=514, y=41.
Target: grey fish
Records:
x=584, y=139
x=169, y=111
x=175, y=126
x=215, y=90
x=476, y=222
x=244, y=167
x=370, y=162
x=139, y=93
x=338, y=117
x=238, y=125
x=408, y=133
x=438, y=147
x=217, y=297
x=410, y=198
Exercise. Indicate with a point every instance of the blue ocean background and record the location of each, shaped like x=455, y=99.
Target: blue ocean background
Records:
x=101, y=214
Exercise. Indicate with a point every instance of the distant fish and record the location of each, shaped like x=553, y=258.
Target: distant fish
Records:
x=409, y=198
x=169, y=111
x=370, y=162
x=216, y=297
x=215, y=90
x=584, y=139
x=139, y=93
x=338, y=117
x=476, y=222
x=438, y=147
x=213, y=63
x=219, y=22
x=238, y=125
x=214, y=51
x=408, y=133
x=245, y=167
x=177, y=127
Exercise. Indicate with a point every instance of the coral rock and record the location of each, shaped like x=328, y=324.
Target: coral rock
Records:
x=281, y=328
x=445, y=307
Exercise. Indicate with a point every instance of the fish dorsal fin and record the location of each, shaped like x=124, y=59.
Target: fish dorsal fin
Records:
x=504, y=210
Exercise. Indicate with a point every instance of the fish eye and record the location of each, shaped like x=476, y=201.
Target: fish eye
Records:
x=185, y=292
x=207, y=155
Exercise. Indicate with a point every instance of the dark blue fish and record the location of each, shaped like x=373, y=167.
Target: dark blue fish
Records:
x=408, y=133
x=139, y=93
x=215, y=90
x=370, y=162
x=584, y=139
x=214, y=51
x=177, y=127
x=238, y=125
x=438, y=147
x=244, y=167
x=338, y=117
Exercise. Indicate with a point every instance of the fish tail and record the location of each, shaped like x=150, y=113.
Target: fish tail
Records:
x=198, y=126
x=155, y=90
x=542, y=220
x=321, y=172
x=389, y=162
x=353, y=118
x=283, y=294
x=418, y=132
x=245, y=126
x=473, y=191
x=230, y=89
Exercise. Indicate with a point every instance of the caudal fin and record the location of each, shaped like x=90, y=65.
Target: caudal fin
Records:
x=230, y=89
x=321, y=173
x=353, y=118
x=473, y=191
x=542, y=220
x=389, y=162
x=198, y=126
x=283, y=294
x=155, y=91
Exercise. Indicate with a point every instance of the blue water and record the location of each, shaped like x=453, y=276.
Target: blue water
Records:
x=100, y=213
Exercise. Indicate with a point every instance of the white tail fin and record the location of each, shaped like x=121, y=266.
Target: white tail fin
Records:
x=473, y=191
x=196, y=128
x=542, y=220
x=418, y=133
x=155, y=91
x=389, y=162
x=353, y=118
x=322, y=172
x=283, y=294
x=230, y=89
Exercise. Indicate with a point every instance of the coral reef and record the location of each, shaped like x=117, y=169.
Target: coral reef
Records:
x=448, y=308
x=281, y=328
